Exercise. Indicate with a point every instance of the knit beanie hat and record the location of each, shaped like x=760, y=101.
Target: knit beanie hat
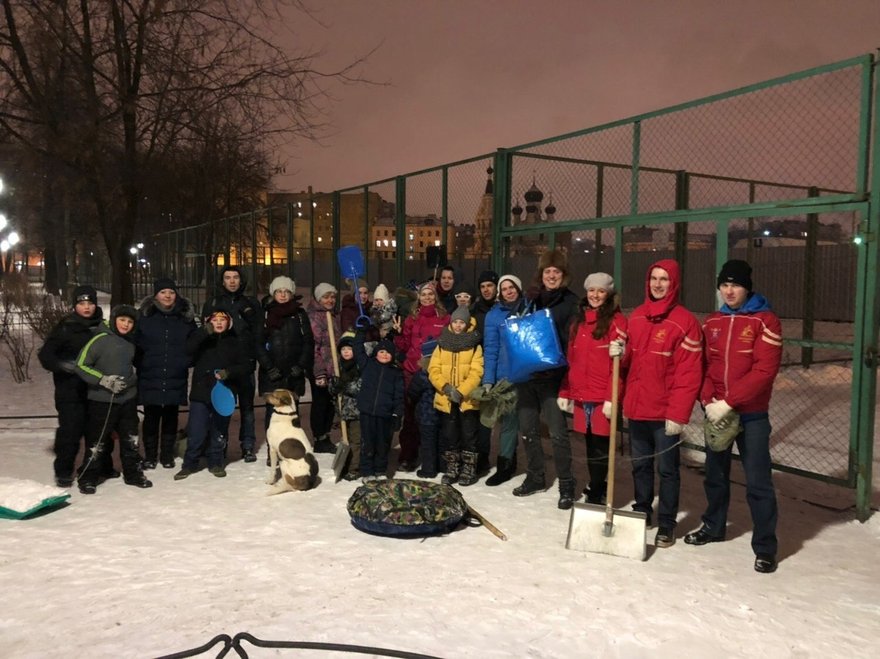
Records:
x=428, y=346
x=385, y=344
x=346, y=340
x=218, y=312
x=427, y=283
x=461, y=313
x=85, y=294
x=124, y=310
x=323, y=288
x=736, y=272
x=381, y=293
x=282, y=283
x=513, y=279
x=463, y=288
x=487, y=275
x=162, y=283
x=600, y=280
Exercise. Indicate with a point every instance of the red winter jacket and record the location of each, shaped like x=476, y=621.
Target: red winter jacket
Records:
x=589, y=370
x=743, y=352
x=664, y=355
x=416, y=330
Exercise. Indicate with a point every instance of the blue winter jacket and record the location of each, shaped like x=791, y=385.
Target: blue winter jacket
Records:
x=496, y=365
x=162, y=362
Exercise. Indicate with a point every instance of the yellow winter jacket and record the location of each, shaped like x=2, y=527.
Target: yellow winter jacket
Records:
x=457, y=360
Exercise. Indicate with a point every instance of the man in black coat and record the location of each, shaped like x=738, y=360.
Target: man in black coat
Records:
x=58, y=355
x=247, y=319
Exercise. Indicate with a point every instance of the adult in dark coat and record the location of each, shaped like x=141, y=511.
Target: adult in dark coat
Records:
x=58, y=355
x=247, y=319
x=165, y=323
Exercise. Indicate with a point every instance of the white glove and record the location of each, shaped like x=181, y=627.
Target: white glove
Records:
x=673, y=428
x=717, y=410
x=616, y=348
x=113, y=383
x=565, y=405
x=606, y=409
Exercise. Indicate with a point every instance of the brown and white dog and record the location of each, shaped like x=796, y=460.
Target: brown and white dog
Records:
x=292, y=466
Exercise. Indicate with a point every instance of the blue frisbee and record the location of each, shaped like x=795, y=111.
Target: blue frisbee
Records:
x=222, y=399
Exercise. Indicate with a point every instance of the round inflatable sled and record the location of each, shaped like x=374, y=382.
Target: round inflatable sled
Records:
x=406, y=508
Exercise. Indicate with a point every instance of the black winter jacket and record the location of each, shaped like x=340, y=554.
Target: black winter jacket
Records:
x=290, y=345
x=246, y=312
x=58, y=354
x=381, y=391
x=162, y=363
x=213, y=352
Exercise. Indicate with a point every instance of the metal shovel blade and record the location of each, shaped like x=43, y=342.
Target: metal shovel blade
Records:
x=340, y=459
x=625, y=537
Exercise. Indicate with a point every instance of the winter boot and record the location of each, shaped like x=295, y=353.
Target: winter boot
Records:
x=453, y=462
x=166, y=451
x=482, y=464
x=151, y=452
x=566, y=493
x=468, y=468
x=505, y=468
x=529, y=486
x=138, y=480
x=324, y=445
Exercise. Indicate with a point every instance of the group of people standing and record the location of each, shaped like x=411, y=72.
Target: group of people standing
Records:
x=415, y=363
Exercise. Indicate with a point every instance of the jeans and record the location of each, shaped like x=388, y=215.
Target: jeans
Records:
x=649, y=440
x=205, y=425
x=753, y=444
x=508, y=436
x=536, y=399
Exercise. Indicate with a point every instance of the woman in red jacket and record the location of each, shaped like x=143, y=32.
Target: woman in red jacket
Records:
x=586, y=388
x=426, y=321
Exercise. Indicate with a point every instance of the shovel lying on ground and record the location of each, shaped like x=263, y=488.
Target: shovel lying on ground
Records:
x=601, y=529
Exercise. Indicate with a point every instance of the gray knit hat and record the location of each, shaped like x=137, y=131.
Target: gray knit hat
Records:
x=461, y=313
x=599, y=280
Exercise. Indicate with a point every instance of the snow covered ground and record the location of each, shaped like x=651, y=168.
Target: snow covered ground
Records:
x=141, y=573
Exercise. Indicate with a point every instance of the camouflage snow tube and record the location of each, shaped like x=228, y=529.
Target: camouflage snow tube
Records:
x=406, y=507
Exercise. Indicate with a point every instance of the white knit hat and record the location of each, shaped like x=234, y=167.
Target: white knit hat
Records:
x=513, y=279
x=599, y=280
x=282, y=283
x=381, y=293
x=323, y=288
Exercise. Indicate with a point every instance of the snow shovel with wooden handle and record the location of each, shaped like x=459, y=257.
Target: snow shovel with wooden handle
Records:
x=343, y=448
x=601, y=529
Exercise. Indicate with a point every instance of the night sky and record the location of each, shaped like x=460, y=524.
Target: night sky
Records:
x=466, y=77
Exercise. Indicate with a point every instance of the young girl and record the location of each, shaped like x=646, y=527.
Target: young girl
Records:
x=106, y=364
x=345, y=390
x=216, y=355
x=455, y=370
x=380, y=403
x=586, y=388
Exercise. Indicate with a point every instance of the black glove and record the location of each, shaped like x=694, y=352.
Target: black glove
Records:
x=396, y=423
x=452, y=393
x=296, y=371
x=67, y=366
x=275, y=374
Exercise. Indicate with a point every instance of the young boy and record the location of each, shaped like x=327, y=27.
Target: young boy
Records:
x=105, y=363
x=344, y=390
x=421, y=393
x=58, y=355
x=216, y=355
x=456, y=370
x=380, y=403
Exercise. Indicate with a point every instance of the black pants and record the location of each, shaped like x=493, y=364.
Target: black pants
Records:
x=159, y=419
x=111, y=417
x=460, y=428
x=71, y=429
x=376, y=433
x=322, y=413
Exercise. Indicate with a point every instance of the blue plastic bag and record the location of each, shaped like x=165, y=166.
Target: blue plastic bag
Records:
x=532, y=344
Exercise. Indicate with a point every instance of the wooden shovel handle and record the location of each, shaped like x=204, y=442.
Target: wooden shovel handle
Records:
x=612, y=444
x=485, y=522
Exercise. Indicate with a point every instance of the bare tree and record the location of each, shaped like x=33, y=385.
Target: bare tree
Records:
x=117, y=89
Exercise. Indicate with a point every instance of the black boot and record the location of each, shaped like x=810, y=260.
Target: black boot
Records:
x=468, y=468
x=453, y=462
x=529, y=486
x=566, y=493
x=151, y=452
x=324, y=445
x=483, y=465
x=505, y=468
x=166, y=451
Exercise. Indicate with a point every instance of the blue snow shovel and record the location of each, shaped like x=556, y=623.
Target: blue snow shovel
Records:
x=351, y=265
x=222, y=399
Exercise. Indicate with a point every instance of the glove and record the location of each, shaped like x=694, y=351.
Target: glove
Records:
x=486, y=388
x=565, y=405
x=717, y=410
x=67, y=366
x=396, y=423
x=452, y=393
x=275, y=374
x=209, y=327
x=222, y=374
x=321, y=381
x=296, y=371
x=673, y=428
x=616, y=348
x=606, y=409
x=113, y=383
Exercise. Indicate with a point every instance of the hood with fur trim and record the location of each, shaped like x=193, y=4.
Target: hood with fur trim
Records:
x=182, y=307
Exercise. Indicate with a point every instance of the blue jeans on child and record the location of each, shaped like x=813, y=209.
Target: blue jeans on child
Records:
x=205, y=425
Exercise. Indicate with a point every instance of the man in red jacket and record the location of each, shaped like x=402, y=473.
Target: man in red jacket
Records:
x=743, y=352
x=664, y=363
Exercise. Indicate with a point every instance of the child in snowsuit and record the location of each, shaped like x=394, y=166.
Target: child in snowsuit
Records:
x=383, y=310
x=421, y=392
x=380, y=403
x=455, y=370
x=106, y=365
x=217, y=356
x=344, y=390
